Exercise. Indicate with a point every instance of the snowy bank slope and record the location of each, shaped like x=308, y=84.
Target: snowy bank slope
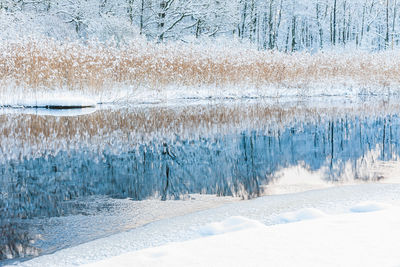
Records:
x=368, y=238
x=270, y=210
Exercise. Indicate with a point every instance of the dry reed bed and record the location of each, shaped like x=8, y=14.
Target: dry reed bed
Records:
x=95, y=67
x=124, y=129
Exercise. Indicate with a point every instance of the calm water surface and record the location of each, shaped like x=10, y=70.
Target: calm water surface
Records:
x=60, y=175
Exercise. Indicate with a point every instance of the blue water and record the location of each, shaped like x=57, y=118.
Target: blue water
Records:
x=231, y=162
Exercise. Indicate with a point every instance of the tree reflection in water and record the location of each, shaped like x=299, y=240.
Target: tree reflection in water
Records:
x=240, y=162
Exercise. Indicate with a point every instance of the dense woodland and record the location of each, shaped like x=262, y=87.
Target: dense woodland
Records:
x=285, y=25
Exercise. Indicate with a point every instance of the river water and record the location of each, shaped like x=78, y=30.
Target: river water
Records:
x=65, y=180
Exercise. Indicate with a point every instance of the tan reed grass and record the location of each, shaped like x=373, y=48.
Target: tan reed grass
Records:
x=95, y=67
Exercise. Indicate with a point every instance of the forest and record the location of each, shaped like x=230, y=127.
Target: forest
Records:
x=283, y=25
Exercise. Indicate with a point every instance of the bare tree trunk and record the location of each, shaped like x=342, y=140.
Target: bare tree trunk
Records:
x=387, y=25
x=244, y=16
x=265, y=43
x=362, y=24
x=258, y=33
x=334, y=22
x=394, y=20
x=130, y=10
x=320, y=30
x=344, y=23
x=287, y=39
x=270, y=25
x=348, y=30
x=141, y=22
x=293, y=34
x=277, y=26
x=161, y=20
x=253, y=21
x=198, y=28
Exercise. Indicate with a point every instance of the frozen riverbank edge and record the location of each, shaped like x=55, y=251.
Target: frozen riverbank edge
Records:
x=70, y=104
x=361, y=238
x=338, y=228
x=131, y=95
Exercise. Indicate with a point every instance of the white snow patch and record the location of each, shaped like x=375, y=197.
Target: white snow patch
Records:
x=49, y=112
x=232, y=224
x=46, y=99
x=351, y=239
x=60, y=101
x=300, y=215
x=296, y=179
x=369, y=206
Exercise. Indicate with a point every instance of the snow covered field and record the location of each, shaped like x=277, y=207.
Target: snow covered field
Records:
x=341, y=226
x=368, y=236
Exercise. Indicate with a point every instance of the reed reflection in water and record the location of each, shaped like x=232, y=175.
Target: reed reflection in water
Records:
x=166, y=153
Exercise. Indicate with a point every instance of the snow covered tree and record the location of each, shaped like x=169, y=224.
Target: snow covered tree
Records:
x=284, y=25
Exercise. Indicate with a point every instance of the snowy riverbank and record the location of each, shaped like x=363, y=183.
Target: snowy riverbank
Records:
x=271, y=229
x=326, y=93
x=366, y=236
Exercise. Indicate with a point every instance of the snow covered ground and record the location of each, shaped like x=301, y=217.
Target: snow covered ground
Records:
x=367, y=236
x=66, y=112
x=353, y=225
x=50, y=101
x=42, y=98
x=67, y=103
